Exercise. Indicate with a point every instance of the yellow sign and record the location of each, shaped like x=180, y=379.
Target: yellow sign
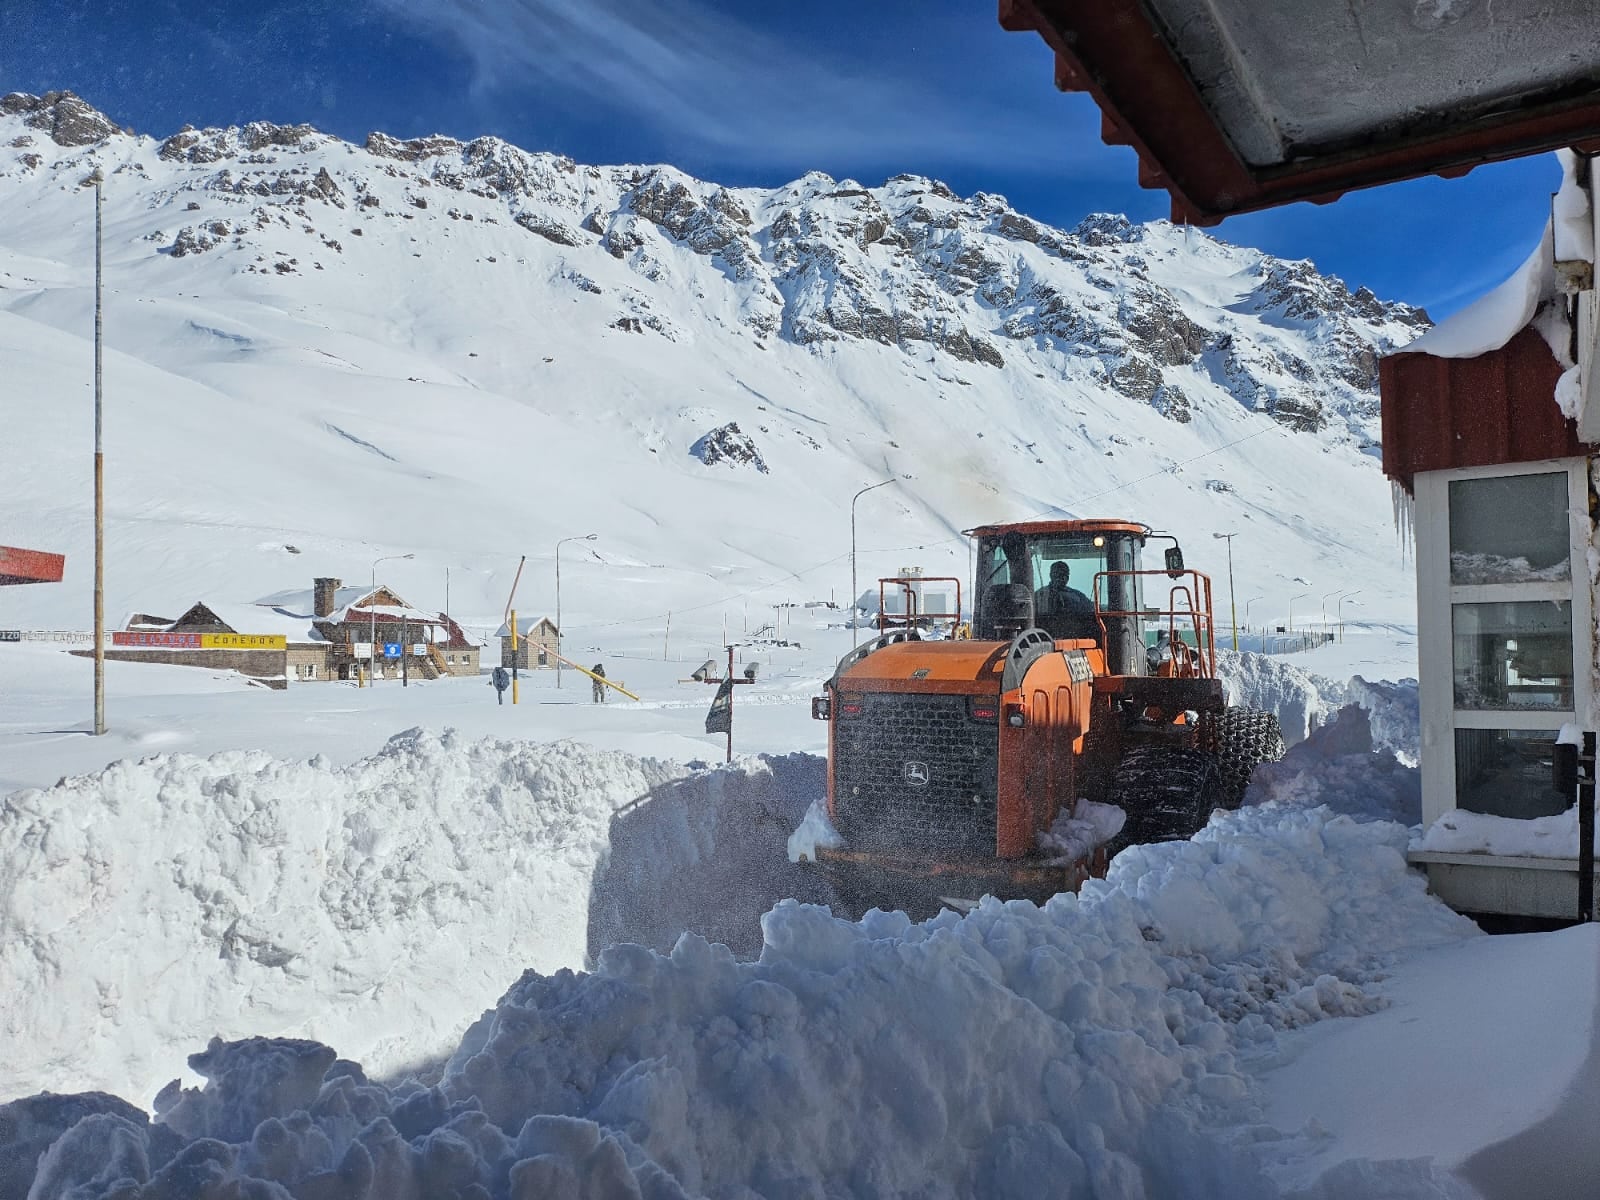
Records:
x=243, y=641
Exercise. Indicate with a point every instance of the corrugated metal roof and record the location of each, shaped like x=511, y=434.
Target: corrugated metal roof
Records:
x=1443, y=413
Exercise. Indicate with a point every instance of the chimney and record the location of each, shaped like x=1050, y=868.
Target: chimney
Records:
x=322, y=591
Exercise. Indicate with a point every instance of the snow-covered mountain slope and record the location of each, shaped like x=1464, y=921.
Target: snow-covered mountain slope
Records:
x=320, y=353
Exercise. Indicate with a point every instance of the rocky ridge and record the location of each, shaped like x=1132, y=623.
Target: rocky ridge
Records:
x=1152, y=314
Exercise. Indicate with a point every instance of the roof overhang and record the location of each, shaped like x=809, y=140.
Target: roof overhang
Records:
x=30, y=566
x=1235, y=105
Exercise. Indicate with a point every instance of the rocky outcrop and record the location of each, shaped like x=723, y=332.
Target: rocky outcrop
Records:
x=67, y=118
x=411, y=150
x=728, y=445
x=548, y=228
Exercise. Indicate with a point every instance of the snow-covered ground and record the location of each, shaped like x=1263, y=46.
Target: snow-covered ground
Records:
x=1270, y=1010
x=320, y=355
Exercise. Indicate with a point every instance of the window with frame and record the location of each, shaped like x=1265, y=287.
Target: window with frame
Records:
x=1513, y=676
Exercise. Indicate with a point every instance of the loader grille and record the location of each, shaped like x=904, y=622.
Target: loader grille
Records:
x=914, y=773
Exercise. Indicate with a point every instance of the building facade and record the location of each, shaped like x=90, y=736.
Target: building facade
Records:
x=538, y=640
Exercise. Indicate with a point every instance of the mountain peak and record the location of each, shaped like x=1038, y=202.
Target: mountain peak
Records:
x=65, y=116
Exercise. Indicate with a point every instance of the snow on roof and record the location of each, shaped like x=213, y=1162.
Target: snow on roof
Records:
x=1495, y=318
x=303, y=599
x=388, y=612
x=252, y=618
x=347, y=605
x=525, y=626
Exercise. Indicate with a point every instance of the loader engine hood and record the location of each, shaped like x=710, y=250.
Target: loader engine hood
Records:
x=913, y=665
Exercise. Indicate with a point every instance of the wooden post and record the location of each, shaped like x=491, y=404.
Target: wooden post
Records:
x=99, y=491
x=514, y=654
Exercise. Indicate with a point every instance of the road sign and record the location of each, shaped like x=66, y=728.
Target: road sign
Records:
x=391, y=649
x=10, y=635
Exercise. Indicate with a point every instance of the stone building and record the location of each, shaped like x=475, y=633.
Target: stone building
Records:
x=537, y=639
x=347, y=621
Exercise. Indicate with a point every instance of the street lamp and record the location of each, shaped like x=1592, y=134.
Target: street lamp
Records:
x=577, y=537
x=95, y=180
x=1233, y=609
x=1339, y=609
x=372, y=613
x=1335, y=592
x=855, y=633
x=1292, y=599
x=1247, y=605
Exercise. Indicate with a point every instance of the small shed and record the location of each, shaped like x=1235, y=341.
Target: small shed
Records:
x=537, y=640
x=1482, y=440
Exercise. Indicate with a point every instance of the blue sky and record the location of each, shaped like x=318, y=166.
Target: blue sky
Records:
x=742, y=93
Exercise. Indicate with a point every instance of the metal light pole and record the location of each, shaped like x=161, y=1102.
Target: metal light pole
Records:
x=855, y=632
x=578, y=537
x=1247, y=605
x=96, y=180
x=1339, y=609
x=372, y=634
x=1233, y=609
x=1335, y=592
x=1292, y=599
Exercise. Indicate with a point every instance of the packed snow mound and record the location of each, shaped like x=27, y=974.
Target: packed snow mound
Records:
x=1095, y=1042
x=1303, y=700
x=1340, y=767
x=378, y=906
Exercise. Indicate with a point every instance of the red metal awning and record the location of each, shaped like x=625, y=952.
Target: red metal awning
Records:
x=1234, y=106
x=1444, y=413
x=30, y=566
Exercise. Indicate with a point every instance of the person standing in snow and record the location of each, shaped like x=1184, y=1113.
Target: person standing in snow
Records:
x=599, y=688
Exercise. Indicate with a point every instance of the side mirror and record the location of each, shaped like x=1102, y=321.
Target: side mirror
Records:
x=1174, y=556
x=821, y=708
x=750, y=672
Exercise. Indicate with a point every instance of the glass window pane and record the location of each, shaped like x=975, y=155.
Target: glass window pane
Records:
x=1506, y=772
x=1512, y=529
x=1513, y=655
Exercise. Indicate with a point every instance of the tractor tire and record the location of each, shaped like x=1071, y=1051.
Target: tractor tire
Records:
x=1241, y=739
x=1168, y=793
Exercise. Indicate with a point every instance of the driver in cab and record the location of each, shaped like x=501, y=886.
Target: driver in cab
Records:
x=1063, y=611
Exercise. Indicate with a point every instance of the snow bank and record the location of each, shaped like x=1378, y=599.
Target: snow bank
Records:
x=1339, y=767
x=378, y=906
x=1300, y=698
x=1303, y=700
x=1094, y=1043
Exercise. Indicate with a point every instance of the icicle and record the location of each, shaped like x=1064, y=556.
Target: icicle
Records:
x=1405, y=518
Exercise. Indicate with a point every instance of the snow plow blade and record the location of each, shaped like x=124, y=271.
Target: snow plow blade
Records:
x=921, y=888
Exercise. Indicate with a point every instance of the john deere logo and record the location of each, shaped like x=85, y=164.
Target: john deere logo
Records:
x=917, y=773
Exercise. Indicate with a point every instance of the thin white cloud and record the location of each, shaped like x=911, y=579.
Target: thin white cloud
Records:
x=728, y=89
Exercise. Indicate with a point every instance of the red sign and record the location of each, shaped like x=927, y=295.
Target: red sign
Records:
x=29, y=566
x=163, y=641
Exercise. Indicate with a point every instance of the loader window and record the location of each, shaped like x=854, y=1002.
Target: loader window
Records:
x=1064, y=573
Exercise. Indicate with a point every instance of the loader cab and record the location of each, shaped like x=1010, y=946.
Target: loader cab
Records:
x=1013, y=581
